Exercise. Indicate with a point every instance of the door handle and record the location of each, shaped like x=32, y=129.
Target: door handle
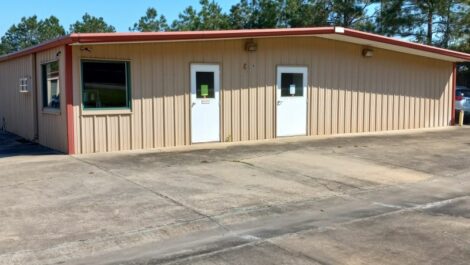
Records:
x=193, y=104
x=279, y=102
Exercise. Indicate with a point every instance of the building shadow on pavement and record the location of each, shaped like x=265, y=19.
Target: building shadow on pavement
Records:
x=13, y=145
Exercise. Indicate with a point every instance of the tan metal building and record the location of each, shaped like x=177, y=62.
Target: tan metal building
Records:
x=86, y=93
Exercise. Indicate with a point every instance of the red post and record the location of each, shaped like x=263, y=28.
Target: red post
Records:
x=69, y=99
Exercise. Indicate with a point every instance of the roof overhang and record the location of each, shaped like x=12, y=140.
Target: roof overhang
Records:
x=335, y=33
x=387, y=43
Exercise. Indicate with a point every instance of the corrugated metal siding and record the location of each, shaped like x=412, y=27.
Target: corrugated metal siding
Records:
x=17, y=108
x=347, y=93
x=52, y=127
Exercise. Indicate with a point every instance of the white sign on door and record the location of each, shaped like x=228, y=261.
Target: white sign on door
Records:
x=292, y=89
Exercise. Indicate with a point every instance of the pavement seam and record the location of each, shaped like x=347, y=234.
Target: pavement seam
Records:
x=297, y=253
x=323, y=228
x=212, y=253
x=404, y=209
x=161, y=195
x=239, y=246
x=107, y=237
x=269, y=240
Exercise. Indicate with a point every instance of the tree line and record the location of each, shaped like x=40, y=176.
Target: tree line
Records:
x=442, y=23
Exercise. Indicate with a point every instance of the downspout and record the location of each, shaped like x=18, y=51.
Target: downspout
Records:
x=69, y=99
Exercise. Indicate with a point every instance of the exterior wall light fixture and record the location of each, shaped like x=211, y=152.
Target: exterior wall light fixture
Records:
x=251, y=46
x=367, y=52
x=85, y=49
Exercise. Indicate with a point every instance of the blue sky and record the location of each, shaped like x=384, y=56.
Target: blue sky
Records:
x=120, y=13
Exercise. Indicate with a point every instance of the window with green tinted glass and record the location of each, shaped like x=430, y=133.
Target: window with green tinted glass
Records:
x=50, y=85
x=105, y=85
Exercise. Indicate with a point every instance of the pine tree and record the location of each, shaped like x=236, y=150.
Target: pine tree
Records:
x=91, y=24
x=306, y=13
x=150, y=22
x=210, y=17
x=29, y=32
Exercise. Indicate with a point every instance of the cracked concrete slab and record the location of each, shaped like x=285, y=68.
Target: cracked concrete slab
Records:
x=261, y=203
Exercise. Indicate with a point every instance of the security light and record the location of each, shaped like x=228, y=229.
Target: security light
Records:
x=367, y=52
x=251, y=46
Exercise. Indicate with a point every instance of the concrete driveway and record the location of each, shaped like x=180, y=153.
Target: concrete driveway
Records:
x=399, y=198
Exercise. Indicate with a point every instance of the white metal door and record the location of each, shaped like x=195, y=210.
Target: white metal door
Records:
x=291, y=94
x=205, y=107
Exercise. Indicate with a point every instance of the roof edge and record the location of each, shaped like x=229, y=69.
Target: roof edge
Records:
x=197, y=35
x=89, y=38
x=64, y=40
x=164, y=36
x=406, y=44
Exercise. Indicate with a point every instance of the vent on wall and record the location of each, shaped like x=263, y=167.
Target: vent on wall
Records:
x=24, y=85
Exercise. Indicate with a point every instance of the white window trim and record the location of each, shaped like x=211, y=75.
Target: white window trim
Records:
x=24, y=85
x=47, y=109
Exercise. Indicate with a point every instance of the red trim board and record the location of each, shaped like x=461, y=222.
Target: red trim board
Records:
x=69, y=99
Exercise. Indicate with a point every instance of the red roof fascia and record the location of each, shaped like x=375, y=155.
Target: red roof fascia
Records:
x=196, y=35
x=226, y=34
x=406, y=44
x=64, y=40
x=165, y=36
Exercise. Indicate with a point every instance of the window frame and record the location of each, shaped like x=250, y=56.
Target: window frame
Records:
x=24, y=85
x=126, y=109
x=44, y=83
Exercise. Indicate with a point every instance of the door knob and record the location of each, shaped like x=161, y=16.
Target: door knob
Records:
x=193, y=104
x=279, y=102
